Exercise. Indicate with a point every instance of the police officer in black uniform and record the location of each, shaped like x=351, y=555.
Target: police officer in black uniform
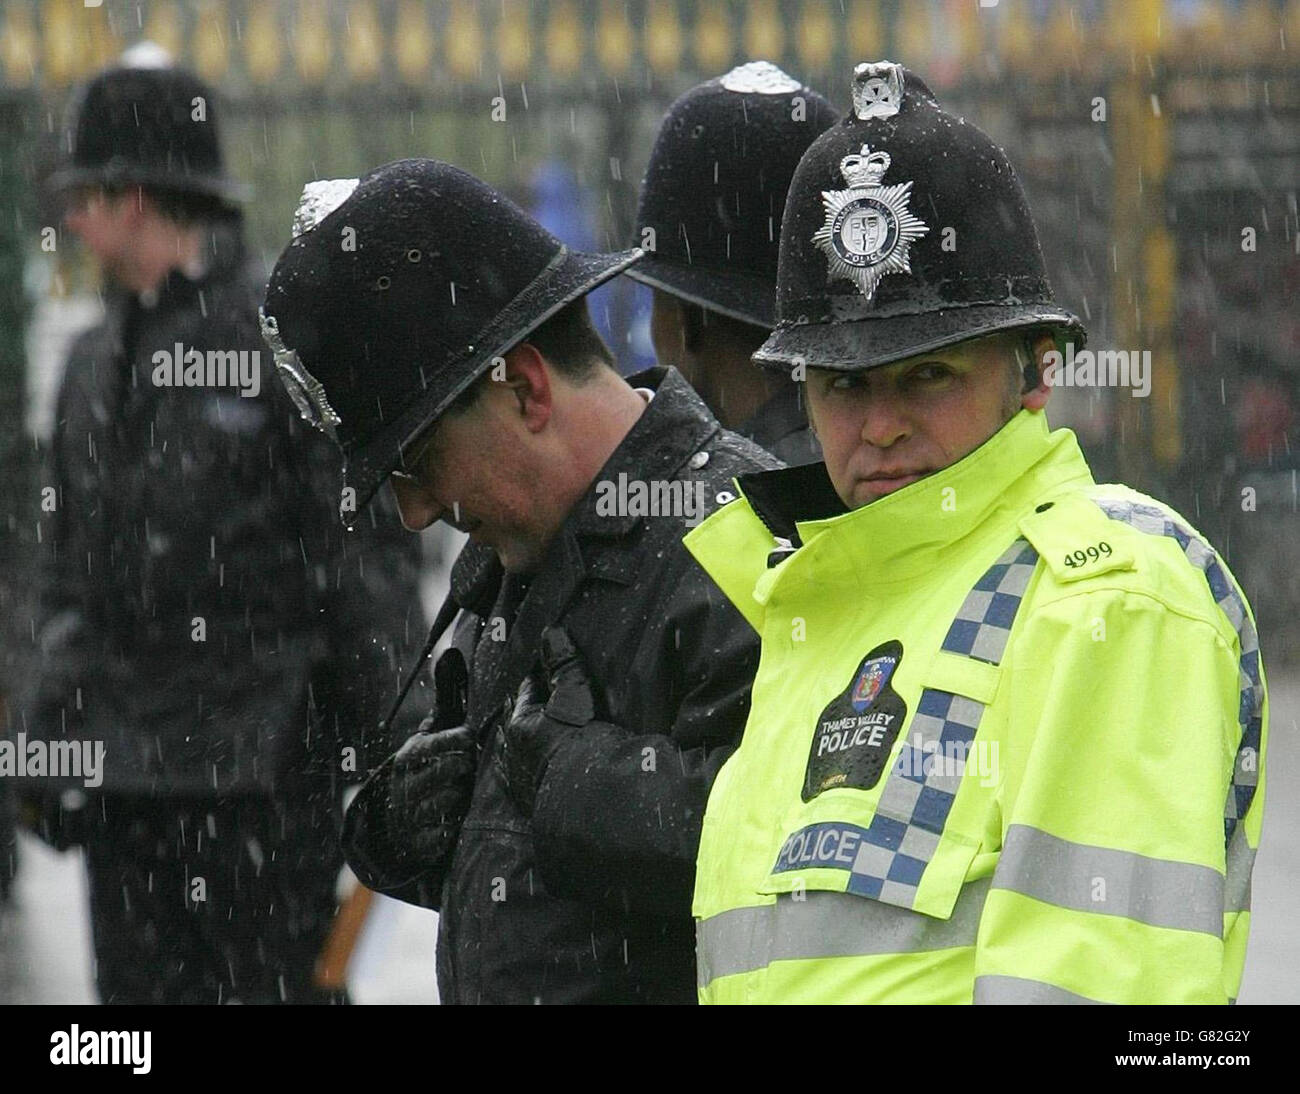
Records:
x=201, y=617
x=710, y=213
x=597, y=680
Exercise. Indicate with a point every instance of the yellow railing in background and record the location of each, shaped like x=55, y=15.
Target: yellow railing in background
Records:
x=259, y=43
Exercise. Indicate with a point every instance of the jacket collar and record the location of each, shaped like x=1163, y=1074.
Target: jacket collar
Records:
x=783, y=498
x=475, y=577
x=674, y=426
x=222, y=256
x=904, y=534
x=777, y=418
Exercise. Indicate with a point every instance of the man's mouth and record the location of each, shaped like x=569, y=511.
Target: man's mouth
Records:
x=880, y=483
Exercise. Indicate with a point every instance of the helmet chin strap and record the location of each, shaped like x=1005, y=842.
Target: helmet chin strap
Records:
x=446, y=614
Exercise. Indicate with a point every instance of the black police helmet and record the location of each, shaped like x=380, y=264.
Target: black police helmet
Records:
x=150, y=126
x=715, y=188
x=905, y=231
x=396, y=294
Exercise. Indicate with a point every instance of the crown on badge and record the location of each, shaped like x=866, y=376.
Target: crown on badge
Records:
x=864, y=168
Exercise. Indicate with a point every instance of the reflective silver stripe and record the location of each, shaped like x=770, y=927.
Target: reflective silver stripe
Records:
x=1158, y=892
x=1241, y=861
x=1014, y=989
x=829, y=925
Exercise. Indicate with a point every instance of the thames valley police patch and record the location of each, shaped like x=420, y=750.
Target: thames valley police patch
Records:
x=857, y=730
x=868, y=228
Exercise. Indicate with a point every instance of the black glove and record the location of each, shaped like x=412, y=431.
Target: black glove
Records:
x=549, y=706
x=432, y=776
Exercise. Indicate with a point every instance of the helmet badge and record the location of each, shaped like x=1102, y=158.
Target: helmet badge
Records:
x=759, y=78
x=868, y=227
x=307, y=392
x=877, y=89
x=318, y=200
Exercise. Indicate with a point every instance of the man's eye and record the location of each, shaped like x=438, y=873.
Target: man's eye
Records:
x=929, y=374
x=846, y=381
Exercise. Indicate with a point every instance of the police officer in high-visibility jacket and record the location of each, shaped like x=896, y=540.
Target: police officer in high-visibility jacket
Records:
x=1008, y=731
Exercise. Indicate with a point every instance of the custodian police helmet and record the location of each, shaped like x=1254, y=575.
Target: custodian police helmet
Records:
x=395, y=295
x=715, y=187
x=153, y=126
x=905, y=230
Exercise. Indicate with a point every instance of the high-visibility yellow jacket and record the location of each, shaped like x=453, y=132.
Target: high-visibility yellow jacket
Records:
x=1006, y=743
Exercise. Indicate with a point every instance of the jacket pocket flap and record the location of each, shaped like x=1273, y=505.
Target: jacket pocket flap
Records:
x=880, y=855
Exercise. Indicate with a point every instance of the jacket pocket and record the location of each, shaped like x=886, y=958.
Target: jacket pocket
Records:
x=849, y=846
x=909, y=840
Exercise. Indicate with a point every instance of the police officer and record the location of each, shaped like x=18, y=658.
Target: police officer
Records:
x=550, y=807
x=1008, y=733
x=710, y=213
x=202, y=617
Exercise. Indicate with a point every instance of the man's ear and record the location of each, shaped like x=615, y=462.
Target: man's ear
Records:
x=807, y=405
x=666, y=328
x=529, y=380
x=1035, y=398
x=693, y=321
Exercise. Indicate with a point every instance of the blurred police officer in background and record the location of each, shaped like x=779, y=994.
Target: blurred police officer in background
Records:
x=1008, y=733
x=201, y=614
x=710, y=214
x=550, y=809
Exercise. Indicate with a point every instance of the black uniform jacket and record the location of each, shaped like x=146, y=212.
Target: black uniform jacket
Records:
x=781, y=427
x=202, y=612
x=589, y=899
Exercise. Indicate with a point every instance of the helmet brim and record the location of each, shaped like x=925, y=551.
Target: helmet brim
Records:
x=749, y=299
x=570, y=275
x=856, y=346
x=214, y=186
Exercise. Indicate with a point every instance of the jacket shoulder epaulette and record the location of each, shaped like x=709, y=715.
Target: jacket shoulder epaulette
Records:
x=1076, y=540
x=1113, y=536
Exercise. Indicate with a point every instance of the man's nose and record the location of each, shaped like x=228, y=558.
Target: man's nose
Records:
x=886, y=421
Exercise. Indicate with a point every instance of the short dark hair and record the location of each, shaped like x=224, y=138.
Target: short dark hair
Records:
x=569, y=342
x=188, y=208
x=179, y=206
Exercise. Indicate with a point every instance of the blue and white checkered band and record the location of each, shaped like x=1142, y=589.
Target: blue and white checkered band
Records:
x=1250, y=710
x=307, y=392
x=887, y=859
